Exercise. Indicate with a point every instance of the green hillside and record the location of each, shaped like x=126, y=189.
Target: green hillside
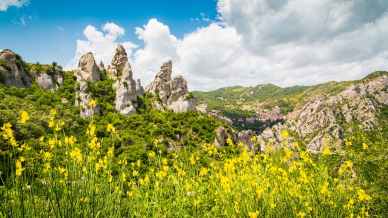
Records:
x=246, y=100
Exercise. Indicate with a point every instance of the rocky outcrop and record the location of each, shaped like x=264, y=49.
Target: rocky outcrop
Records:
x=87, y=68
x=87, y=72
x=12, y=70
x=324, y=119
x=120, y=59
x=126, y=87
x=172, y=93
x=47, y=81
x=47, y=76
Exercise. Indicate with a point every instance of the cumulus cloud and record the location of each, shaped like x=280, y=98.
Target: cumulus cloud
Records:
x=5, y=4
x=101, y=42
x=286, y=42
x=159, y=46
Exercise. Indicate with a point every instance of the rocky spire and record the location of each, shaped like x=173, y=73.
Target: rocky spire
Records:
x=173, y=93
x=12, y=71
x=120, y=59
x=87, y=71
x=126, y=93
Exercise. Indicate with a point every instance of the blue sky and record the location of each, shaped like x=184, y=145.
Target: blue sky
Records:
x=47, y=30
x=212, y=43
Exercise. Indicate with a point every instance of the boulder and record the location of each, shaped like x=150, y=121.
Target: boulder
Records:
x=12, y=70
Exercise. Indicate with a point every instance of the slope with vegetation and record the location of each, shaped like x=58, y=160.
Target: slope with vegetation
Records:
x=156, y=163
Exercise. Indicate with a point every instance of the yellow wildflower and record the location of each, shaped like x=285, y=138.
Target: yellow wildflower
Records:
x=92, y=103
x=284, y=134
x=71, y=140
x=301, y=214
x=52, y=142
x=62, y=171
x=365, y=146
x=47, y=156
x=203, y=171
x=362, y=195
x=19, y=168
x=346, y=166
x=325, y=188
x=253, y=214
x=110, y=128
x=193, y=159
x=151, y=155
x=144, y=181
x=91, y=131
x=46, y=167
x=326, y=150
x=94, y=144
x=24, y=117
x=110, y=152
x=135, y=173
x=53, y=112
x=129, y=194
x=229, y=142
x=51, y=123
x=8, y=134
x=76, y=155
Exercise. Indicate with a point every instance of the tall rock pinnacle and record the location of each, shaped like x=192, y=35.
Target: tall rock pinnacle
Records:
x=87, y=71
x=121, y=71
x=120, y=59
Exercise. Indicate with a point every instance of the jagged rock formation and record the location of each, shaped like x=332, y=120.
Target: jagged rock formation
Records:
x=126, y=88
x=87, y=72
x=324, y=119
x=12, y=70
x=173, y=93
x=120, y=59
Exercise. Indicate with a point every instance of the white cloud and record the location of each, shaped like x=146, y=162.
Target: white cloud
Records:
x=5, y=4
x=159, y=46
x=286, y=42
x=101, y=42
